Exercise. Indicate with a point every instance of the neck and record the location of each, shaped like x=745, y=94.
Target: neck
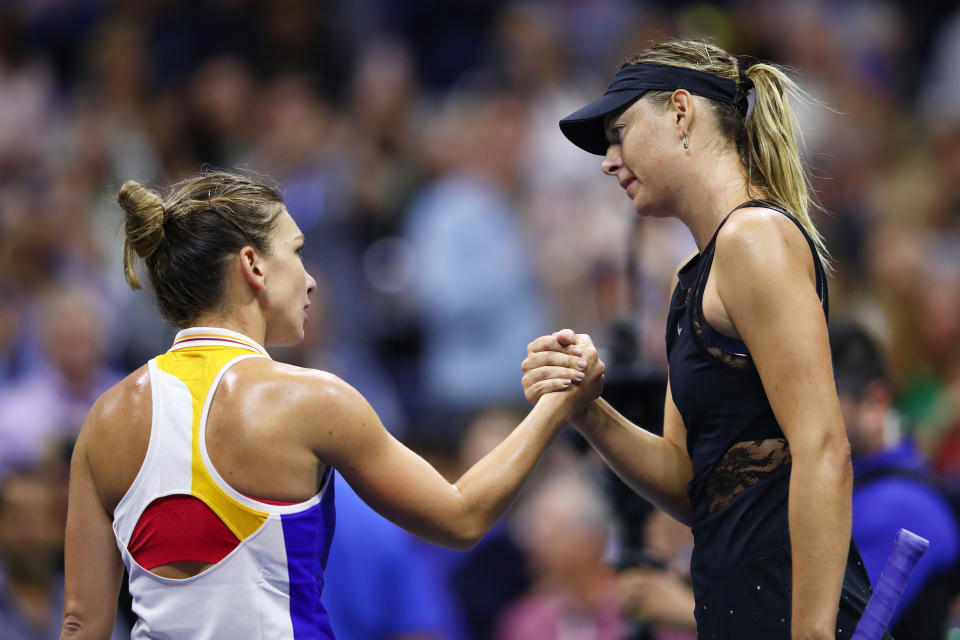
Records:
x=252, y=327
x=716, y=184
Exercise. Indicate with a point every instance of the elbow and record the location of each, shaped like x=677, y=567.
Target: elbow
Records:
x=72, y=627
x=830, y=454
x=838, y=455
x=466, y=537
x=464, y=532
x=79, y=624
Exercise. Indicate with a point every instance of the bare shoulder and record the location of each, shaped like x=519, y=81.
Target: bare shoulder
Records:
x=300, y=385
x=120, y=405
x=116, y=434
x=304, y=398
x=759, y=242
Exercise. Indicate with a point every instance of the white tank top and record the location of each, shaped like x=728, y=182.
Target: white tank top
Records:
x=269, y=585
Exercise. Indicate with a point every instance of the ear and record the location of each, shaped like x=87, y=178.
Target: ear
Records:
x=252, y=268
x=682, y=108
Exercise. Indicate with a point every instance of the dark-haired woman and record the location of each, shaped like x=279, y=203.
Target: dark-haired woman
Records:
x=207, y=473
x=754, y=455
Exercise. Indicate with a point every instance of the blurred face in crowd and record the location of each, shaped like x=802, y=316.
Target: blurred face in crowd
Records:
x=563, y=529
x=31, y=526
x=865, y=416
x=72, y=336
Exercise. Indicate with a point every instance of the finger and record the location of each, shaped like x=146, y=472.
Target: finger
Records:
x=546, y=373
x=566, y=336
x=545, y=386
x=545, y=343
x=584, y=339
x=553, y=359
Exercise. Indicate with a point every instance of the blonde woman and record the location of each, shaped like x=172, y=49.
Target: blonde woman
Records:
x=754, y=455
x=208, y=472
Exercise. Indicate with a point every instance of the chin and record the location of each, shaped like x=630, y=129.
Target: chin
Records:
x=648, y=210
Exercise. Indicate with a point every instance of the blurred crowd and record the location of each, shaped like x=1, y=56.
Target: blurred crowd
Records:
x=448, y=223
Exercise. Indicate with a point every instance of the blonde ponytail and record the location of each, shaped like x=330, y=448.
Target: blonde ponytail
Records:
x=771, y=150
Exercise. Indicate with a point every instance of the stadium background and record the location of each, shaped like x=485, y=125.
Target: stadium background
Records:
x=448, y=223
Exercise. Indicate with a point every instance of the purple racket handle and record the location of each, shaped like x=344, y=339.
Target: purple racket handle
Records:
x=907, y=549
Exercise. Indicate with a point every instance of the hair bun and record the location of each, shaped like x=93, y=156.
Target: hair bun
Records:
x=144, y=225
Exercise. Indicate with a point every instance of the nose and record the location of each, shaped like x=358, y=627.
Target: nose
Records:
x=612, y=162
x=311, y=284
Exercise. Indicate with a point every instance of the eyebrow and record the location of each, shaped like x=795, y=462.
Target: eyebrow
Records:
x=299, y=238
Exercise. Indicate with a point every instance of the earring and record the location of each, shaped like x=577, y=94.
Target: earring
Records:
x=686, y=141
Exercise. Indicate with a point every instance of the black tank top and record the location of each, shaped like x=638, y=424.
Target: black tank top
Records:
x=733, y=438
x=741, y=564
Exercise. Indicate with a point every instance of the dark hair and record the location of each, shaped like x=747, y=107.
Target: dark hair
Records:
x=187, y=239
x=857, y=358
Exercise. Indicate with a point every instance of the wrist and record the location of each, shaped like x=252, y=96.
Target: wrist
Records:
x=562, y=404
x=587, y=415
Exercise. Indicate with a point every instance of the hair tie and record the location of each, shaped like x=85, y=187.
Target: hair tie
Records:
x=742, y=102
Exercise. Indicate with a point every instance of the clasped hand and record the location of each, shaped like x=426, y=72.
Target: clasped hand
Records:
x=563, y=361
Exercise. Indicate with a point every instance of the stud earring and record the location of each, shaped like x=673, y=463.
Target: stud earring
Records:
x=686, y=141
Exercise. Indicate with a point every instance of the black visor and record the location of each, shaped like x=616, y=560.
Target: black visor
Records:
x=585, y=127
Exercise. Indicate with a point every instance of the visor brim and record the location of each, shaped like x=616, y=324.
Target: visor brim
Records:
x=585, y=127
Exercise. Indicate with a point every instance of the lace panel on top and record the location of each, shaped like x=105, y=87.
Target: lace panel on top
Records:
x=742, y=466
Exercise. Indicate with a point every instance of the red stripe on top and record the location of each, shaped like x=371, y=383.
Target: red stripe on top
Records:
x=205, y=339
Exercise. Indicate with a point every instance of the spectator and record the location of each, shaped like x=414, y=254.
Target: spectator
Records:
x=49, y=403
x=31, y=541
x=894, y=488
x=564, y=528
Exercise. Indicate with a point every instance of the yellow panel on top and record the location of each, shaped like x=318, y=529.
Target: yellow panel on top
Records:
x=197, y=367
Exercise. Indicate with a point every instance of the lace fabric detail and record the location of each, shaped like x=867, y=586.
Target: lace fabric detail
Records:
x=702, y=336
x=729, y=358
x=742, y=466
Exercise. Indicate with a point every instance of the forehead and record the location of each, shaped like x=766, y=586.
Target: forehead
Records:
x=286, y=227
x=626, y=113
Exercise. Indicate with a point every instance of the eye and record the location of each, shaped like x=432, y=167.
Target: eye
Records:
x=615, y=133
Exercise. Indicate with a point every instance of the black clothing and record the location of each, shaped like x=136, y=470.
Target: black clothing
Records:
x=741, y=564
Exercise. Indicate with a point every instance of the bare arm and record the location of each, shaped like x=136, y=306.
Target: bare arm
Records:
x=763, y=270
x=656, y=467
x=94, y=570
x=403, y=487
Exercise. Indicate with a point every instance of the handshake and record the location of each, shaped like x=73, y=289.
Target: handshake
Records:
x=564, y=362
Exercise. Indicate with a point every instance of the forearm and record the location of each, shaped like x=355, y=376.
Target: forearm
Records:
x=490, y=485
x=820, y=514
x=649, y=464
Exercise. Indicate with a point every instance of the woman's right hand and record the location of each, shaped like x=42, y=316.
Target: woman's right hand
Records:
x=560, y=360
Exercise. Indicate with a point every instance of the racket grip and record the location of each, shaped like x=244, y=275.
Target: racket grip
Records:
x=907, y=549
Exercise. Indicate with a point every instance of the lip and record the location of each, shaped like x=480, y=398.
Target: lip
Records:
x=626, y=185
